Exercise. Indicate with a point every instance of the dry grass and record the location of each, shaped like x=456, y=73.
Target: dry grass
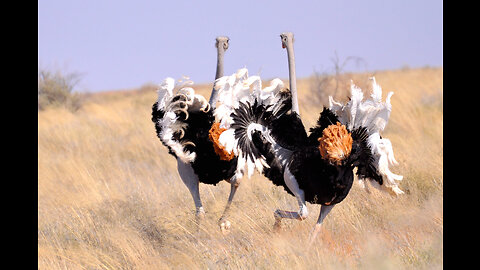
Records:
x=109, y=196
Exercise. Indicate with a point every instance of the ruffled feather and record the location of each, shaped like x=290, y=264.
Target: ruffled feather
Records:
x=372, y=114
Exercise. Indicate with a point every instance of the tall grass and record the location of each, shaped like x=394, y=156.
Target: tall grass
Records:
x=109, y=195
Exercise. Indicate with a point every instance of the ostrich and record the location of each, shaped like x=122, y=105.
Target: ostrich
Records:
x=267, y=134
x=316, y=168
x=184, y=123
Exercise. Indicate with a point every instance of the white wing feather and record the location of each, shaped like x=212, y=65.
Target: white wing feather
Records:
x=233, y=90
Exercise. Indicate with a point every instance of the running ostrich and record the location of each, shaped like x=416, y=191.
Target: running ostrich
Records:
x=267, y=134
x=184, y=123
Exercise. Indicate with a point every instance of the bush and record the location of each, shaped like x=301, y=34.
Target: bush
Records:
x=335, y=83
x=56, y=89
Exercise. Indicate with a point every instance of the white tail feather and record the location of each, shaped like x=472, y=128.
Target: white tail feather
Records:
x=169, y=122
x=231, y=91
x=164, y=91
x=170, y=126
x=240, y=88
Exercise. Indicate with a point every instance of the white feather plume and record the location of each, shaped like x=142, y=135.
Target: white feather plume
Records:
x=239, y=87
x=169, y=122
x=164, y=92
x=233, y=90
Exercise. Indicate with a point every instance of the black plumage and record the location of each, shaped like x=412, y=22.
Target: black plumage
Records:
x=285, y=127
x=157, y=115
x=362, y=156
x=327, y=117
x=244, y=116
x=322, y=183
x=275, y=170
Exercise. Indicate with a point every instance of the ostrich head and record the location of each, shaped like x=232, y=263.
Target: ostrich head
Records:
x=222, y=43
x=287, y=39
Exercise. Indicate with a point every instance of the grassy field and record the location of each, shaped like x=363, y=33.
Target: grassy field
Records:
x=109, y=195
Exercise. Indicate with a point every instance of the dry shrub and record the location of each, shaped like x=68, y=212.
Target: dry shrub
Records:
x=55, y=89
x=333, y=82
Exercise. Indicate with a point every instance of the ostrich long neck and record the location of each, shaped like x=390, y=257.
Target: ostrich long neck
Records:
x=292, y=76
x=220, y=54
x=219, y=72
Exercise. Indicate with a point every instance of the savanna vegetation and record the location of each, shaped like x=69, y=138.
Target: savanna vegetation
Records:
x=109, y=195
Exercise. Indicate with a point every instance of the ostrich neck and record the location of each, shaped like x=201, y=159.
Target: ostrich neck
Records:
x=292, y=77
x=220, y=54
x=218, y=74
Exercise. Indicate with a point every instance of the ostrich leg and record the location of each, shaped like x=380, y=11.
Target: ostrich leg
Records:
x=223, y=222
x=324, y=210
x=190, y=179
x=302, y=214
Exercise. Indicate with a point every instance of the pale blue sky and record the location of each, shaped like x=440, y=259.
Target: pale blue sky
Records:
x=126, y=44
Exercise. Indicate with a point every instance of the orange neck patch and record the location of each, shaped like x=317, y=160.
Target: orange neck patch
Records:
x=214, y=134
x=335, y=143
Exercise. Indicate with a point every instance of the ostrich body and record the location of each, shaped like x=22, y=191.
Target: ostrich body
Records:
x=316, y=168
x=183, y=121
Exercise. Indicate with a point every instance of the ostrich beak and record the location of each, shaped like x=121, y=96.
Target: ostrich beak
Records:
x=283, y=45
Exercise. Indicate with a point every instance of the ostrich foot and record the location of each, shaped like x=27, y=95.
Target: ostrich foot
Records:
x=278, y=221
x=277, y=227
x=199, y=216
x=225, y=226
